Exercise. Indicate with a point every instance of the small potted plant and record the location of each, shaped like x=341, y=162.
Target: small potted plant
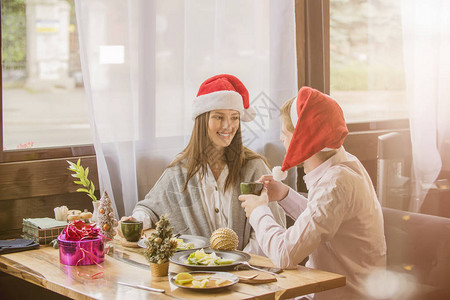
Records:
x=160, y=247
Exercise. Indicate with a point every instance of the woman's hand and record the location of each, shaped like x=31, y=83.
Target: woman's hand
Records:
x=250, y=202
x=276, y=190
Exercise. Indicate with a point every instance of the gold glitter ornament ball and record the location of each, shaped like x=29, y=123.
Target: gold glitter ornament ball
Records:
x=224, y=239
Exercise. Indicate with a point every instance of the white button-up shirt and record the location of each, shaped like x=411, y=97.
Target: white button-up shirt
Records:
x=340, y=226
x=216, y=201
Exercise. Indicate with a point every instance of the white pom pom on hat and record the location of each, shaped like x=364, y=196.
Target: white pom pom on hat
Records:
x=279, y=175
x=223, y=91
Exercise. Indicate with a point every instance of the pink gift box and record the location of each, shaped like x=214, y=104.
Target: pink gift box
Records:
x=70, y=251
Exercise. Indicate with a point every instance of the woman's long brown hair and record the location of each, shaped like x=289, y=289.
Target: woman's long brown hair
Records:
x=200, y=147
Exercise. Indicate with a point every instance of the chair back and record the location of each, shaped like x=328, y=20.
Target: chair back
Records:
x=419, y=244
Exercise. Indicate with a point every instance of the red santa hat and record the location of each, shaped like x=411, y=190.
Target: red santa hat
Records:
x=319, y=124
x=223, y=92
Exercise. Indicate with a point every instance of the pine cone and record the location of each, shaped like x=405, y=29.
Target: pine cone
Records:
x=224, y=239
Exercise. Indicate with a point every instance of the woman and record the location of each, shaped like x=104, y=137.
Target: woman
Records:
x=200, y=188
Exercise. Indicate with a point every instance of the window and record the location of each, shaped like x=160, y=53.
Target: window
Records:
x=43, y=101
x=366, y=60
x=240, y=54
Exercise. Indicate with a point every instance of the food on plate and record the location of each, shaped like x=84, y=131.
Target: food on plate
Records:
x=183, y=278
x=181, y=245
x=224, y=239
x=200, y=281
x=199, y=257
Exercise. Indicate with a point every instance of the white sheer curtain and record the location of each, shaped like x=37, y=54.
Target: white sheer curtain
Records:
x=426, y=42
x=143, y=62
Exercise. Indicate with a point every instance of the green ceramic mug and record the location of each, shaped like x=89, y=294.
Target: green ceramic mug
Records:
x=132, y=230
x=254, y=188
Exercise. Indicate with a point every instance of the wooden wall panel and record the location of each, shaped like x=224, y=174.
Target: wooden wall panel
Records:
x=47, y=153
x=13, y=211
x=20, y=180
x=31, y=189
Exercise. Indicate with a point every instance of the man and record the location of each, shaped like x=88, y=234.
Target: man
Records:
x=340, y=224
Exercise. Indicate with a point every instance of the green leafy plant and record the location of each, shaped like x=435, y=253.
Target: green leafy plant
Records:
x=82, y=175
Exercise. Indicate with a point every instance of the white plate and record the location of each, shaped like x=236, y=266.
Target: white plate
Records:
x=214, y=275
x=199, y=242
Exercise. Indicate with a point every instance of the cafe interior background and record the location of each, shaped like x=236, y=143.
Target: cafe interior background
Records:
x=112, y=82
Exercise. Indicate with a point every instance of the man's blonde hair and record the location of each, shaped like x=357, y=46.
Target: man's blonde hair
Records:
x=285, y=113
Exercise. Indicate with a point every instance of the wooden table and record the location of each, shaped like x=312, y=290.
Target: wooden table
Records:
x=42, y=267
